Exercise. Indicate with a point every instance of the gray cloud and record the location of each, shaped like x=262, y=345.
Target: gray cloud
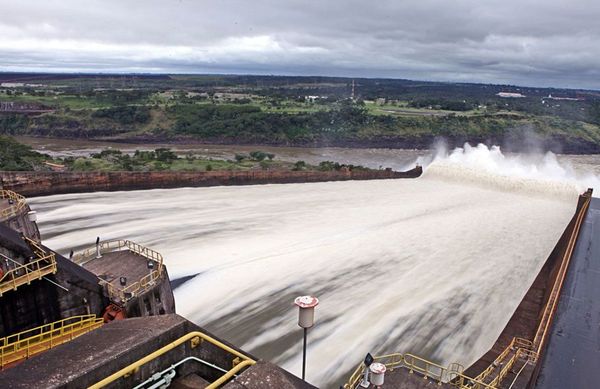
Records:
x=546, y=43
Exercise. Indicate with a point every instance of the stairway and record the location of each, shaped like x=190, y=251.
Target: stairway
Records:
x=22, y=274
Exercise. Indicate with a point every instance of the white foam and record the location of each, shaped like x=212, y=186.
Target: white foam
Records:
x=433, y=266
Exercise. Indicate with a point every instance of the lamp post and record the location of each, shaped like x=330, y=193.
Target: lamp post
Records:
x=306, y=319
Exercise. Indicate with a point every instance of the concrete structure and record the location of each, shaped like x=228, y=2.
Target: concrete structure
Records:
x=17, y=215
x=509, y=94
x=96, y=355
x=132, y=277
x=48, y=183
x=572, y=356
x=69, y=291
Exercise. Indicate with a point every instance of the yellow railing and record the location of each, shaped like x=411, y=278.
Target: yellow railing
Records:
x=518, y=346
x=196, y=338
x=123, y=294
x=25, y=344
x=19, y=274
x=544, y=326
x=19, y=202
x=118, y=245
x=451, y=375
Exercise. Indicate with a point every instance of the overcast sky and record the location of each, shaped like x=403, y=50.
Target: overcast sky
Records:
x=545, y=43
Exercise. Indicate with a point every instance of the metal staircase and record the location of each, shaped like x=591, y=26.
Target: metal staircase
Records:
x=17, y=274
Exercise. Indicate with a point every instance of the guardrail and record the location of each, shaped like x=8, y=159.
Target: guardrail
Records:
x=125, y=294
x=517, y=346
x=118, y=245
x=115, y=293
x=195, y=338
x=18, y=274
x=18, y=202
x=451, y=375
x=25, y=344
x=542, y=331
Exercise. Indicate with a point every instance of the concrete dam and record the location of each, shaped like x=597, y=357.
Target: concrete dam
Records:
x=435, y=266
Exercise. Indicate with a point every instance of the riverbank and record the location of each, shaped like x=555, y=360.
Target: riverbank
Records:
x=33, y=184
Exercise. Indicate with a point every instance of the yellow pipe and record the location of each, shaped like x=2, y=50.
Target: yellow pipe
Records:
x=131, y=368
x=230, y=374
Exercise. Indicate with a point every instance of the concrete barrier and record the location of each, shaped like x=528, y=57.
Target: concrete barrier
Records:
x=48, y=183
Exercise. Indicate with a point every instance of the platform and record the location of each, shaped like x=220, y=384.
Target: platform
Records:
x=114, y=265
x=126, y=269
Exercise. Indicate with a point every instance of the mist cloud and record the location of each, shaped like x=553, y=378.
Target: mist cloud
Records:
x=545, y=43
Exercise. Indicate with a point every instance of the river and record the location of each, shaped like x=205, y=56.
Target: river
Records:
x=434, y=266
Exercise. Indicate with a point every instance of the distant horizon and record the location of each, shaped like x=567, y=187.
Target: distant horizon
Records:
x=553, y=44
x=116, y=73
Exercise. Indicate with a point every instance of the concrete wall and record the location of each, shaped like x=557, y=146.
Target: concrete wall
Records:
x=22, y=224
x=157, y=301
x=43, y=302
x=47, y=183
x=97, y=354
x=526, y=318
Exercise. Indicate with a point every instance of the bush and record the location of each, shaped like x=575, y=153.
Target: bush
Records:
x=17, y=156
x=124, y=115
x=258, y=155
x=300, y=165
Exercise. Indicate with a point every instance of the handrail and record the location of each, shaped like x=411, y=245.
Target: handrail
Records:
x=195, y=337
x=108, y=246
x=121, y=295
x=515, y=346
x=36, y=340
x=25, y=273
x=424, y=367
x=542, y=331
x=20, y=202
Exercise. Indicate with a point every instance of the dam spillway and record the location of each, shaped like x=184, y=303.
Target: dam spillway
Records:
x=434, y=265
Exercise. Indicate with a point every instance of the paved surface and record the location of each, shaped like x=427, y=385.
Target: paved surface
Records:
x=4, y=204
x=403, y=378
x=95, y=355
x=572, y=357
x=265, y=375
x=111, y=266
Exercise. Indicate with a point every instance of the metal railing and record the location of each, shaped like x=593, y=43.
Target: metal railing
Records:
x=115, y=293
x=451, y=375
x=109, y=246
x=506, y=358
x=542, y=331
x=124, y=294
x=18, y=274
x=18, y=202
x=195, y=338
x=25, y=344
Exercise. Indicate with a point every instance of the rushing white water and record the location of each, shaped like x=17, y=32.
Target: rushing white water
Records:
x=434, y=266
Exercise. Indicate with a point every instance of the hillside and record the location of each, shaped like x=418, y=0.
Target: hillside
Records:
x=297, y=111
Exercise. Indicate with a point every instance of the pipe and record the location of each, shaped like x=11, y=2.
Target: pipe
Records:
x=165, y=380
x=230, y=373
x=172, y=368
x=132, y=367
